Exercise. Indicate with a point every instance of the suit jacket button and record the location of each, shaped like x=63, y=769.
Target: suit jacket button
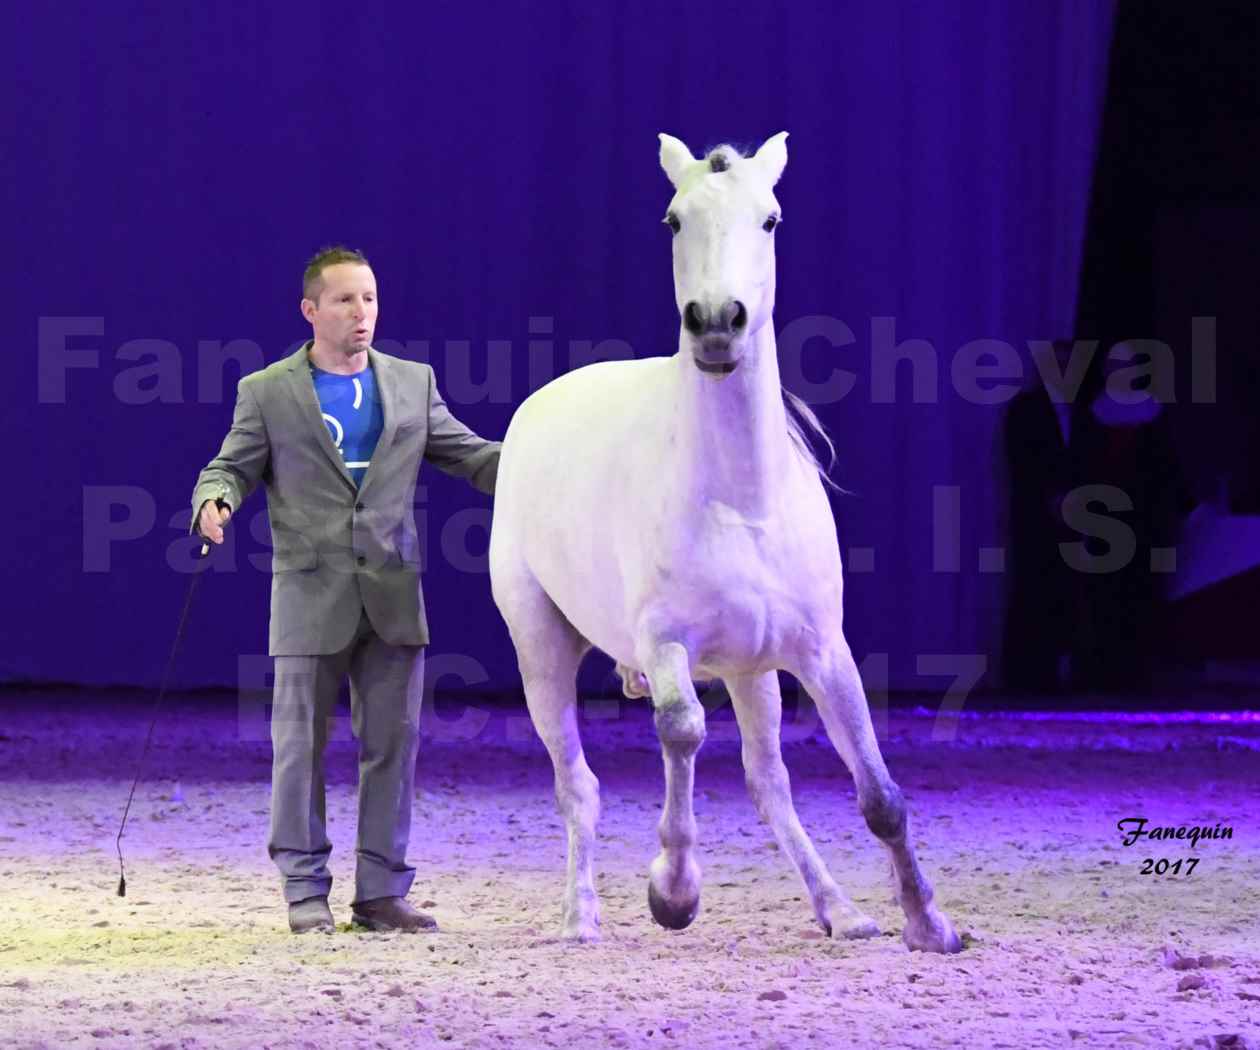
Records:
x=358, y=506
x=362, y=560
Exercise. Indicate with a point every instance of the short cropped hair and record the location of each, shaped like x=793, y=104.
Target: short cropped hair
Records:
x=312, y=276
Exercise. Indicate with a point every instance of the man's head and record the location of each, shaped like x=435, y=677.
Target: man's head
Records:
x=339, y=299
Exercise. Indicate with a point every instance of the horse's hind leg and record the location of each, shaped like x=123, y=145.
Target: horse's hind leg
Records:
x=833, y=681
x=758, y=709
x=674, y=877
x=548, y=651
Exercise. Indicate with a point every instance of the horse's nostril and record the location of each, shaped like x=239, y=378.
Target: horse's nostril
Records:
x=693, y=318
x=732, y=317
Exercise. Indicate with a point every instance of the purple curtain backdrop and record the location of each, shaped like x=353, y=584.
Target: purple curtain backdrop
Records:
x=171, y=168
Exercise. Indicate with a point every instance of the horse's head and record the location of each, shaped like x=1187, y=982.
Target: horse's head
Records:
x=723, y=215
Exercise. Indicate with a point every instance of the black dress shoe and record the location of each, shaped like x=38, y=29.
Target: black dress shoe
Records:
x=391, y=913
x=311, y=914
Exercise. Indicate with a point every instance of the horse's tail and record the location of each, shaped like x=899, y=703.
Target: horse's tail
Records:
x=800, y=417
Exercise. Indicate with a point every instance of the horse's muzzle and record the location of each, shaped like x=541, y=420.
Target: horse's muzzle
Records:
x=720, y=368
x=715, y=354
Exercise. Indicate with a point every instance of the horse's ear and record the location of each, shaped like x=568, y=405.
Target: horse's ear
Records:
x=675, y=157
x=772, y=157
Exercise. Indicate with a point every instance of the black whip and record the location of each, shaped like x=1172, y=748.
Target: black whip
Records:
x=166, y=677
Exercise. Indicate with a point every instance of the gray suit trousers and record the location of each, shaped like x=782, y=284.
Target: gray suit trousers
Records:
x=386, y=684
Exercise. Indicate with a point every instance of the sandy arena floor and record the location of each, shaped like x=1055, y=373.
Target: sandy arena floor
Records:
x=1015, y=820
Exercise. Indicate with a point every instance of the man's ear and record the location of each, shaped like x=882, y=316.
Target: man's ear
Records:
x=675, y=157
x=308, y=309
x=772, y=157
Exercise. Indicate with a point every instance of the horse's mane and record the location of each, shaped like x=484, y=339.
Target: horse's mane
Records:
x=800, y=418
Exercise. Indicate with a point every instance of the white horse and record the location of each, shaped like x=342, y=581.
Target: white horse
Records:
x=669, y=512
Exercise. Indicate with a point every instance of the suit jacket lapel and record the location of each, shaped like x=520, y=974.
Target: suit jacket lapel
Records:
x=385, y=389
x=302, y=386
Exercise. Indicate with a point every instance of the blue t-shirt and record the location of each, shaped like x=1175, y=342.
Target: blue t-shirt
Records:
x=351, y=407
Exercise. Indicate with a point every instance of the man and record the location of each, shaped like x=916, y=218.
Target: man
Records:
x=336, y=433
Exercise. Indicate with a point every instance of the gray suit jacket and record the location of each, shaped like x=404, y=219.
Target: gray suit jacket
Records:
x=337, y=547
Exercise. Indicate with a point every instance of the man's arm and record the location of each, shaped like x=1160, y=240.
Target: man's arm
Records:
x=455, y=449
x=241, y=463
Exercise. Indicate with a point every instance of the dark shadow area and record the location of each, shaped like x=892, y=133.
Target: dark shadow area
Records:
x=1151, y=467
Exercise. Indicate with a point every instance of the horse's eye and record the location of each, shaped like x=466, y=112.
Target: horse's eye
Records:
x=770, y=224
x=671, y=220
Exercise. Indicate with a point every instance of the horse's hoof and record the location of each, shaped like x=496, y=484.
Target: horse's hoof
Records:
x=856, y=927
x=580, y=934
x=931, y=932
x=672, y=916
x=579, y=920
x=840, y=918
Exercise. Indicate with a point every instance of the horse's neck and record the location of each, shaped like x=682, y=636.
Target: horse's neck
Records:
x=733, y=439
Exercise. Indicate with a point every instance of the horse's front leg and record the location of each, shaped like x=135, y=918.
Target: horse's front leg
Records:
x=759, y=710
x=674, y=877
x=833, y=681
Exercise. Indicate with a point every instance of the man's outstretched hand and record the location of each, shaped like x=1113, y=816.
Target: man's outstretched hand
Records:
x=213, y=517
